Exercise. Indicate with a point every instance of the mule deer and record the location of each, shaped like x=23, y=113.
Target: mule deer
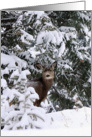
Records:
x=43, y=84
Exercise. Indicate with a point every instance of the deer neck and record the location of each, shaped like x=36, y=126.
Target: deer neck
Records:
x=47, y=83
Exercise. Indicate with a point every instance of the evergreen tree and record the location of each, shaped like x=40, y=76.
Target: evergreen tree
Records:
x=8, y=36
x=21, y=113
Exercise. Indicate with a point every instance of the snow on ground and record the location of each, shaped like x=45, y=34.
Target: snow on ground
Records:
x=74, y=122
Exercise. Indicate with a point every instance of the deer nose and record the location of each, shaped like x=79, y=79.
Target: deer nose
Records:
x=47, y=75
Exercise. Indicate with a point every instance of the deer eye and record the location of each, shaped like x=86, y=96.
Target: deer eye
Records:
x=45, y=70
x=51, y=69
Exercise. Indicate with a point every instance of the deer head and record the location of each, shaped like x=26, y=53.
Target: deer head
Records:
x=47, y=71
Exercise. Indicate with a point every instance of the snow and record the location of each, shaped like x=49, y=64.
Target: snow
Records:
x=75, y=97
x=24, y=73
x=89, y=80
x=33, y=94
x=62, y=49
x=68, y=32
x=83, y=16
x=39, y=14
x=26, y=38
x=3, y=83
x=49, y=132
x=4, y=71
x=54, y=37
x=74, y=122
x=33, y=52
x=67, y=29
x=19, y=20
x=15, y=73
x=86, y=30
x=11, y=60
x=80, y=55
x=18, y=47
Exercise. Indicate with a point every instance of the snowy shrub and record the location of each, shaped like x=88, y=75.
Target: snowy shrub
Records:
x=18, y=110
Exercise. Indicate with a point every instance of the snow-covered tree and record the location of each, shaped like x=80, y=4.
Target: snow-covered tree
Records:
x=74, y=68
x=21, y=112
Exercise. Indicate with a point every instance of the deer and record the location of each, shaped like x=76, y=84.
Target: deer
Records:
x=44, y=83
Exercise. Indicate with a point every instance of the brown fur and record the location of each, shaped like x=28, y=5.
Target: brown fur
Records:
x=43, y=84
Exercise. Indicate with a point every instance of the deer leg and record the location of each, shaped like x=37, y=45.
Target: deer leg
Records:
x=37, y=103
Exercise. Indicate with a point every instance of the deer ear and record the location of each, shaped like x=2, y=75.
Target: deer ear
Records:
x=54, y=65
x=38, y=66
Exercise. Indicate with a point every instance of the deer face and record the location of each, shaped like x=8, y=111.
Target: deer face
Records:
x=47, y=71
